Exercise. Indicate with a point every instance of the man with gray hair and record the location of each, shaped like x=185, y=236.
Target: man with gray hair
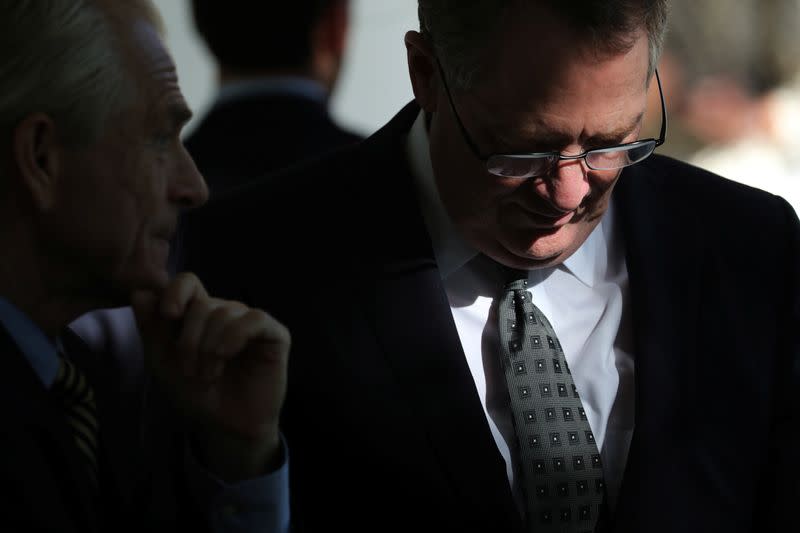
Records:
x=509, y=314
x=92, y=178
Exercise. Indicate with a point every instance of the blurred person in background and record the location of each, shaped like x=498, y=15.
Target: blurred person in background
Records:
x=731, y=75
x=278, y=63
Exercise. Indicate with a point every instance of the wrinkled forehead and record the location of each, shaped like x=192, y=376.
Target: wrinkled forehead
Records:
x=150, y=53
x=123, y=11
x=563, y=93
x=151, y=70
x=539, y=52
x=140, y=32
x=542, y=64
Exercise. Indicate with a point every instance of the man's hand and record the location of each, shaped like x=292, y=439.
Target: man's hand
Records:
x=224, y=364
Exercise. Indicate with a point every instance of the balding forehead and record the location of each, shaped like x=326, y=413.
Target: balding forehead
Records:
x=139, y=31
x=122, y=11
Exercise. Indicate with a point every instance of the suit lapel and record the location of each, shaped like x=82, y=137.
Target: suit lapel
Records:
x=663, y=275
x=52, y=473
x=424, y=350
x=426, y=357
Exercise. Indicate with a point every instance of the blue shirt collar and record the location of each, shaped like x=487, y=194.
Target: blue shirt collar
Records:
x=40, y=351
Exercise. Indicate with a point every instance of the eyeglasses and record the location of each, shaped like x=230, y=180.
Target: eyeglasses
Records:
x=526, y=165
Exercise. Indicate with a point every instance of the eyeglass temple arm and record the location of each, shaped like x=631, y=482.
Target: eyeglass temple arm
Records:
x=662, y=136
x=466, y=135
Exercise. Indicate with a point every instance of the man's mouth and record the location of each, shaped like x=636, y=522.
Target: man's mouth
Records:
x=167, y=233
x=546, y=221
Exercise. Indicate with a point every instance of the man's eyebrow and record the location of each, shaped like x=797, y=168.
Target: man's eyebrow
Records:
x=613, y=137
x=545, y=138
x=550, y=139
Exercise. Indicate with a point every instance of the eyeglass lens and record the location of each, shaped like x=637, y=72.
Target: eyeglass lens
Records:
x=529, y=165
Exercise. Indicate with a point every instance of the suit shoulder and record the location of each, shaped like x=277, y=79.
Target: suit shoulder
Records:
x=302, y=208
x=700, y=191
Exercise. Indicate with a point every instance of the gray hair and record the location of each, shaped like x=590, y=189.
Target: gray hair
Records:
x=461, y=31
x=62, y=58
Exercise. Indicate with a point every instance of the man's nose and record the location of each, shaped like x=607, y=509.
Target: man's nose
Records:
x=567, y=186
x=188, y=188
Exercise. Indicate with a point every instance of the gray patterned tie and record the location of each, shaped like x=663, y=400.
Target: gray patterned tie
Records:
x=562, y=471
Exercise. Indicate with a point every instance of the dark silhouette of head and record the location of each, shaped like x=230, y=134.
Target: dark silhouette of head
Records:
x=300, y=37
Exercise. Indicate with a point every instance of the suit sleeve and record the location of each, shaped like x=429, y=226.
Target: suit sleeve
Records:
x=254, y=505
x=780, y=490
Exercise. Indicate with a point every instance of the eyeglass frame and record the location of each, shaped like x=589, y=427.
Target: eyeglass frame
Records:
x=561, y=157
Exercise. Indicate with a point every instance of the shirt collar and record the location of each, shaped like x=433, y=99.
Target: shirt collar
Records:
x=272, y=85
x=40, y=352
x=588, y=263
x=450, y=249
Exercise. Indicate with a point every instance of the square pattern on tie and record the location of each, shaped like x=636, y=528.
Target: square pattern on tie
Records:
x=557, y=447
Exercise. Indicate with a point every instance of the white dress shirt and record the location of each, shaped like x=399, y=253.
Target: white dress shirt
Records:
x=584, y=299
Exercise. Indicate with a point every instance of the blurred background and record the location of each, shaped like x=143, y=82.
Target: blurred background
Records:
x=730, y=71
x=731, y=79
x=373, y=84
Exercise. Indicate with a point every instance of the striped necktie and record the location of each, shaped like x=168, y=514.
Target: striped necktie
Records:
x=76, y=396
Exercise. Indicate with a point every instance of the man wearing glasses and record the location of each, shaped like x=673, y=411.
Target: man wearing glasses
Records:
x=508, y=314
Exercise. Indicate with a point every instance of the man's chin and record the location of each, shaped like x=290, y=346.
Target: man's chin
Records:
x=542, y=245
x=152, y=280
x=543, y=251
x=109, y=297
x=528, y=259
x=534, y=261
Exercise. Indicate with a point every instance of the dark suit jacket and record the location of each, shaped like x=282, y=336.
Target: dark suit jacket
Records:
x=384, y=425
x=45, y=485
x=250, y=136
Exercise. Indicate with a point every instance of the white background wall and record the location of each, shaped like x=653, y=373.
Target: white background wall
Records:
x=374, y=82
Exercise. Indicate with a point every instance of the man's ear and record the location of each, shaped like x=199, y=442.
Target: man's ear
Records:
x=37, y=158
x=338, y=18
x=422, y=70
x=329, y=42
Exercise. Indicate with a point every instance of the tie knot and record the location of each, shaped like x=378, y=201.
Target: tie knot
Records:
x=71, y=384
x=514, y=279
x=501, y=277
x=517, y=285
